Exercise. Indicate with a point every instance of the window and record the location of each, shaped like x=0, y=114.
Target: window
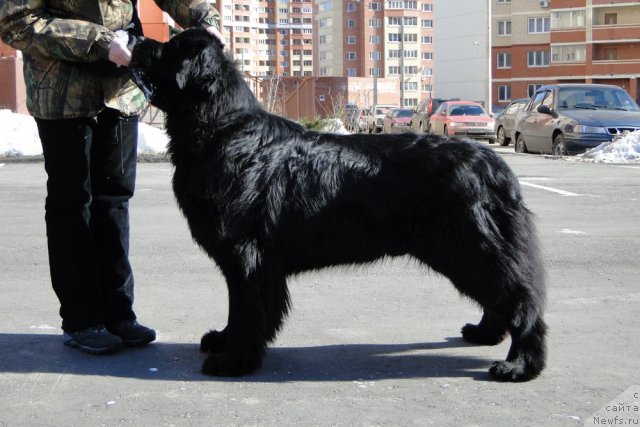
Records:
x=531, y=89
x=351, y=7
x=326, y=22
x=351, y=56
x=410, y=102
x=568, y=19
x=611, y=54
x=504, y=60
x=610, y=18
x=427, y=7
x=427, y=23
x=351, y=39
x=568, y=53
x=504, y=1
x=426, y=39
x=504, y=28
x=504, y=93
x=351, y=72
x=411, y=86
x=537, y=58
x=539, y=25
x=375, y=56
x=375, y=23
x=374, y=39
x=327, y=5
x=351, y=23
x=427, y=56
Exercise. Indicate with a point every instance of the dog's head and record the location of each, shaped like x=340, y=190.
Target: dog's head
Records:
x=170, y=72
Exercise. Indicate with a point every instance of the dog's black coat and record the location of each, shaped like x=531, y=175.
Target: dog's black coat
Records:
x=266, y=199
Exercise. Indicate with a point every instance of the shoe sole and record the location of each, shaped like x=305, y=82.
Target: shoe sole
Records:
x=93, y=350
x=138, y=343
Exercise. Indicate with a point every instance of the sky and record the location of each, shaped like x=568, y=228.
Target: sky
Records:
x=19, y=138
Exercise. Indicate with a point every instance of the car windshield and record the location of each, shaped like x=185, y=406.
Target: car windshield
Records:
x=466, y=110
x=595, y=99
x=383, y=110
x=403, y=113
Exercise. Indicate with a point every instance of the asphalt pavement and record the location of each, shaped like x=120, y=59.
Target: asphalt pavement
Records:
x=365, y=346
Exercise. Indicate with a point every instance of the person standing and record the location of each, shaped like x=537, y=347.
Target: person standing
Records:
x=86, y=109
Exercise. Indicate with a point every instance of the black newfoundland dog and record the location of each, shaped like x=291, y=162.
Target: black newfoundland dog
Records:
x=266, y=199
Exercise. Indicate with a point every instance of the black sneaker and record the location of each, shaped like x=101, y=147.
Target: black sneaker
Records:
x=94, y=340
x=133, y=334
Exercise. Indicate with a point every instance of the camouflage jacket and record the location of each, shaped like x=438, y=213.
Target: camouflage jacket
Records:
x=56, y=36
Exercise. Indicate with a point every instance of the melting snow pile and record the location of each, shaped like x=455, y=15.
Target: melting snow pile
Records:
x=19, y=137
x=624, y=148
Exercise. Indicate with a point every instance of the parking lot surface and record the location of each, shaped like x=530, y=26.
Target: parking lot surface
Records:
x=363, y=346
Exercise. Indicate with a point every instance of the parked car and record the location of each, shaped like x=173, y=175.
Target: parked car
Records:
x=375, y=116
x=355, y=119
x=505, y=120
x=463, y=119
x=421, y=115
x=397, y=120
x=571, y=118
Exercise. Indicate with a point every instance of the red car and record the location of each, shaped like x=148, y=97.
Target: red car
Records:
x=397, y=120
x=463, y=119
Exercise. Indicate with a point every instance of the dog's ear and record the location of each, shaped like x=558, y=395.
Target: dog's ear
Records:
x=197, y=69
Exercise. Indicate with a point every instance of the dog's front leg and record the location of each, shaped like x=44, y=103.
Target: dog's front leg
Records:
x=242, y=344
x=258, y=304
x=213, y=341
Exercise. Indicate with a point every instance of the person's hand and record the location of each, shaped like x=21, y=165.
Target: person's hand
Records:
x=119, y=52
x=213, y=30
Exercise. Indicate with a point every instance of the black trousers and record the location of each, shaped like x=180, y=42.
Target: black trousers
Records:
x=91, y=169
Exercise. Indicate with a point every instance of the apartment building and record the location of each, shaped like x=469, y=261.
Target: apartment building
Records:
x=564, y=41
x=272, y=37
x=386, y=42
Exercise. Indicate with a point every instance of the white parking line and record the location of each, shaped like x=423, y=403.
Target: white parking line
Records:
x=569, y=231
x=551, y=189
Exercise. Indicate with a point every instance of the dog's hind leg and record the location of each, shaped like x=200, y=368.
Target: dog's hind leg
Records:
x=513, y=307
x=491, y=330
x=527, y=355
x=503, y=272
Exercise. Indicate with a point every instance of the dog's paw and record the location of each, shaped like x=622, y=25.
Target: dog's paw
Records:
x=476, y=334
x=511, y=372
x=223, y=365
x=213, y=342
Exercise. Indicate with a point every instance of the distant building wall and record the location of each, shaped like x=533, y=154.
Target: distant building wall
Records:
x=460, y=40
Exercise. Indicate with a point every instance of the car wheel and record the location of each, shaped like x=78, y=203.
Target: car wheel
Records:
x=502, y=137
x=521, y=146
x=559, y=149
